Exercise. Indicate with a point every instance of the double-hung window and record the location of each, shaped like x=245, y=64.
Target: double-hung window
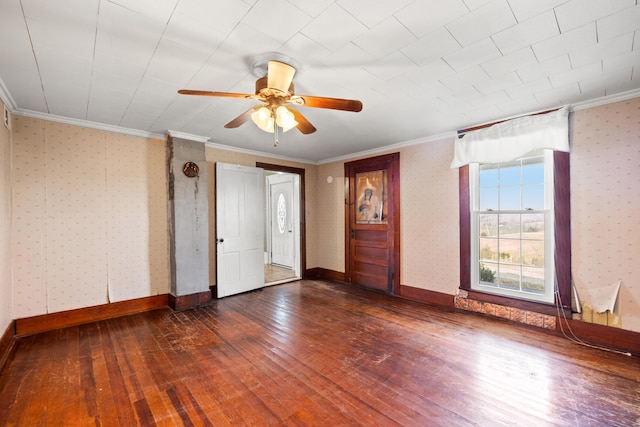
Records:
x=515, y=238
x=512, y=227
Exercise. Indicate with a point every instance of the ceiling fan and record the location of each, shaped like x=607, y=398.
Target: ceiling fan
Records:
x=275, y=91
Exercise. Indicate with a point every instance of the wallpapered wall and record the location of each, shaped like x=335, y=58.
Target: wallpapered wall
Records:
x=605, y=199
x=605, y=203
x=214, y=155
x=89, y=217
x=5, y=227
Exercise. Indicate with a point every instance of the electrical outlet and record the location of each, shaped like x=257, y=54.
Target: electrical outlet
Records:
x=6, y=117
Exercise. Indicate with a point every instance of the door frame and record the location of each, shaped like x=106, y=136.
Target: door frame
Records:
x=390, y=162
x=303, y=228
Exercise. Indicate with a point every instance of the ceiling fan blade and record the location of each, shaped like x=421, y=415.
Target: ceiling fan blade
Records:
x=241, y=119
x=304, y=125
x=220, y=94
x=279, y=75
x=331, y=103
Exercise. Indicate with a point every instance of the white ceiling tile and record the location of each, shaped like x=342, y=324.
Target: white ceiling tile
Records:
x=385, y=38
x=174, y=63
x=636, y=40
x=266, y=12
x=482, y=22
x=491, y=100
x=200, y=37
x=602, y=50
x=65, y=100
x=426, y=16
x=527, y=9
x=391, y=65
x=579, y=12
x=108, y=111
x=221, y=16
x=371, y=13
x=523, y=105
x=619, y=23
x=468, y=77
x=556, y=65
x=510, y=62
x=431, y=72
x=70, y=26
x=472, y=55
x=480, y=116
x=559, y=96
x=431, y=47
x=474, y=4
x=499, y=83
x=158, y=10
x=344, y=28
x=586, y=72
x=613, y=82
x=304, y=51
x=526, y=33
x=349, y=55
x=627, y=60
x=565, y=42
x=312, y=7
x=533, y=86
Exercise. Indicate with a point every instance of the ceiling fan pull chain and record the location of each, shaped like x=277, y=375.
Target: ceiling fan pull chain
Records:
x=275, y=134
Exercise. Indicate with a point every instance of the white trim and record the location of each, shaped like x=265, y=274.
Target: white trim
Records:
x=386, y=148
x=255, y=153
x=605, y=100
x=89, y=124
x=6, y=98
x=187, y=136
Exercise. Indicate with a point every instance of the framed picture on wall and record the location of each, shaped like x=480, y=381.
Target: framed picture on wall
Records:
x=371, y=190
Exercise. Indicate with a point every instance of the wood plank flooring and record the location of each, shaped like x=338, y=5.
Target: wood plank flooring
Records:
x=314, y=353
x=275, y=274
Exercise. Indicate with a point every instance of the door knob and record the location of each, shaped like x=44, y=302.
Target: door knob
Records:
x=220, y=240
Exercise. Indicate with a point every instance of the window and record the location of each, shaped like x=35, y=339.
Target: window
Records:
x=512, y=227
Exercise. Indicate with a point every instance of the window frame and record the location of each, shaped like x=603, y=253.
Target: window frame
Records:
x=546, y=211
x=562, y=242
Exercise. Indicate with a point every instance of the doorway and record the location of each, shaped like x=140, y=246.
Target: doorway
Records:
x=284, y=255
x=373, y=223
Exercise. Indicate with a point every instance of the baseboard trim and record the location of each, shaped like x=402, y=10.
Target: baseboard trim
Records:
x=63, y=319
x=616, y=338
x=6, y=344
x=325, y=274
x=427, y=296
x=187, y=302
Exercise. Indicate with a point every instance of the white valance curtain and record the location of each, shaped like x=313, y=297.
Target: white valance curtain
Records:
x=512, y=139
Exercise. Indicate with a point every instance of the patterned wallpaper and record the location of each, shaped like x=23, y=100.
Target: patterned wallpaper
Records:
x=605, y=203
x=605, y=207
x=5, y=227
x=216, y=155
x=90, y=224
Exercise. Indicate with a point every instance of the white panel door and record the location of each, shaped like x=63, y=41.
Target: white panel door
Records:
x=239, y=228
x=282, y=216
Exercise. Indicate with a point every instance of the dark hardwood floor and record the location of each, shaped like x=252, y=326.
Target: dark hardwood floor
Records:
x=314, y=353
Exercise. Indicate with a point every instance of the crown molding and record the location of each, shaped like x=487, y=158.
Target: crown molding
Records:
x=6, y=97
x=604, y=100
x=88, y=124
x=387, y=148
x=187, y=136
x=257, y=153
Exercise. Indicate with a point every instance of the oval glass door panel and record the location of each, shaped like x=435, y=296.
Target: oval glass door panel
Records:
x=282, y=213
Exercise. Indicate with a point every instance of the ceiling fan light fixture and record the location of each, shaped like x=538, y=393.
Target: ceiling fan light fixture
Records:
x=263, y=118
x=279, y=76
x=285, y=118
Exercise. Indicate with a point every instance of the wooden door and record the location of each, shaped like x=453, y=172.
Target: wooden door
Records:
x=373, y=223
x=239, y=228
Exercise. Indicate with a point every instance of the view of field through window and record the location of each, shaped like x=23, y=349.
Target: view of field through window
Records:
x=511, y=225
